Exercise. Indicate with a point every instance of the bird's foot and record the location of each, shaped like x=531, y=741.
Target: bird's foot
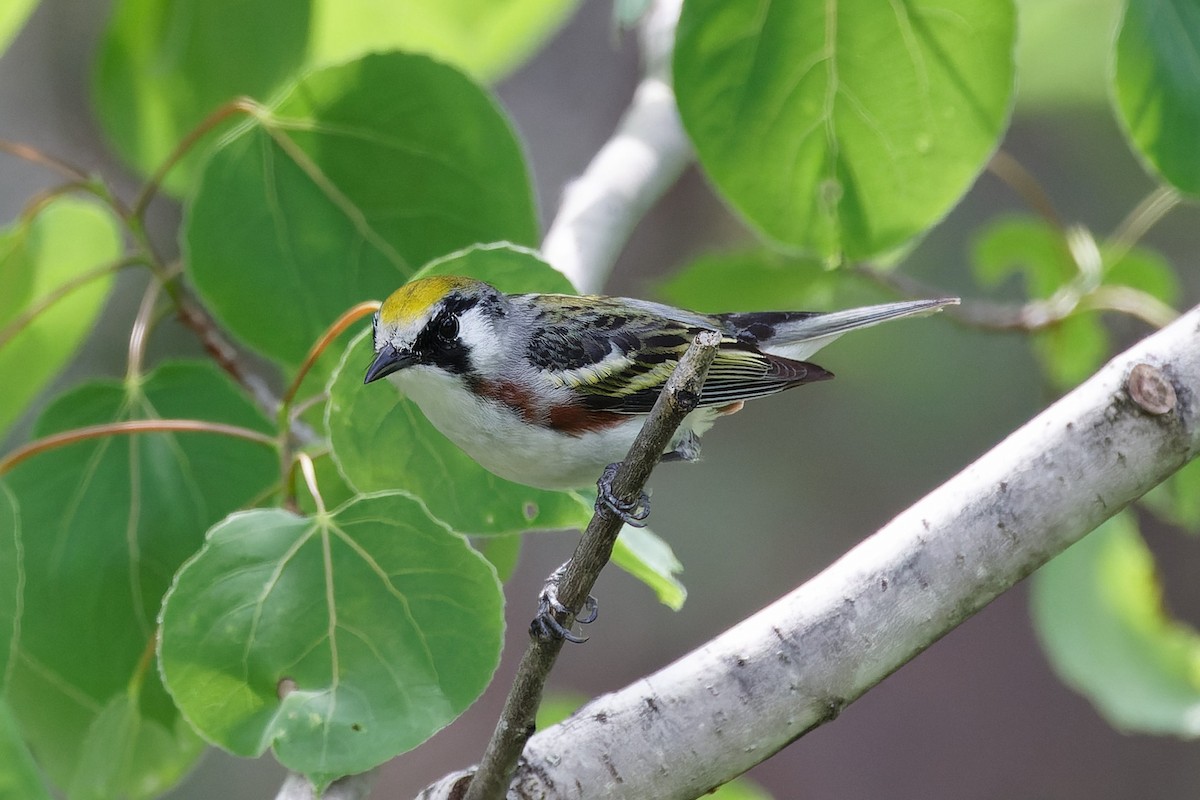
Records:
x=546, y=625
x=634, y=512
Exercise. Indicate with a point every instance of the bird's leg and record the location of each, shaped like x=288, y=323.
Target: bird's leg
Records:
x=633, y=513
x=546, y=625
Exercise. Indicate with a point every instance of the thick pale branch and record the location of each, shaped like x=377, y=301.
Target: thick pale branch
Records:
x=642, y=159
x=794, y=665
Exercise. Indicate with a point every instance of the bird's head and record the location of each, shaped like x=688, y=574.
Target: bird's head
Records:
x=445, y=322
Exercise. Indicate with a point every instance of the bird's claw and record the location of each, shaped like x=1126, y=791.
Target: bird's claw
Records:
x=546, y=625
x=632, y=513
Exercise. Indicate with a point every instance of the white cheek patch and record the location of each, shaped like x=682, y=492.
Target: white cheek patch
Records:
x=477, y=331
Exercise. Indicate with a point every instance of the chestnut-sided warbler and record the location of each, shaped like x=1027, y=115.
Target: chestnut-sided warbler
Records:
x=549, y=389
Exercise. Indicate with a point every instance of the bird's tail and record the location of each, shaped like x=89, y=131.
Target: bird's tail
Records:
x=798, y=334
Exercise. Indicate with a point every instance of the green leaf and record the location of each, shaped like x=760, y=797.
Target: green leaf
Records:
x=338, y=640
x=1025, y=246
x=1155, y=87
x=13, y=14
x=164, y=67
x=383, y=442
x=486, y=38
x=19, y=777
x=503, y=552
x=510, y=268
x=1061, y=71
x=739, y=789
x=645, y=556
x=333, y=487
x=556, y=706
x=105, y=523
x=119, y=746
x=753, y=280
x=1071, y=350
x=1177, y=500
x=1099, y=613
x=65, y=243
x=1145, y=270
x=358, y=175
x=12, y=579
x=844, y=129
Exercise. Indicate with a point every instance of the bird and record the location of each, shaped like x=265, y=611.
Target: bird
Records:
x=550, y=390
x=547, y=390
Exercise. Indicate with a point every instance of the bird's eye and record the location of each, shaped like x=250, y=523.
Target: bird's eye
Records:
x=447, y=327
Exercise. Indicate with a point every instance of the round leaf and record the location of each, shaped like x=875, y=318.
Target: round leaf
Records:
x=754, y=280
x=383, y=442
x=844, y=128
x=645, y=556
x=12, y=16
x=356, y=176
x=67, y=241
x=105, y=523
x=164, y=67
x=486, y=38
x=1177, y=499
x=18, y=773
x=339, y=640
x=1156, y=90
x=1099, y=614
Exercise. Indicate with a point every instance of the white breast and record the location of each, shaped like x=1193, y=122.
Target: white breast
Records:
x=504, y=444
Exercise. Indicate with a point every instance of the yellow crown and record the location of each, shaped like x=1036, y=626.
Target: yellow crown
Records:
x=413, y=299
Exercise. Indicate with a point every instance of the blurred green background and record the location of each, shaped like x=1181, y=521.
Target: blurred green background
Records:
x=794, y=481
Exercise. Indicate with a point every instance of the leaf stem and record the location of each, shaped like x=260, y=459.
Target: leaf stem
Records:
x=240, y=105
x=130, y=427
x=310, y=480
x=140, y=330
x=1005, y=167
x=339, y=326
x=1141, y=219
x=677, y=399
x=12, y=329
x=36, y=156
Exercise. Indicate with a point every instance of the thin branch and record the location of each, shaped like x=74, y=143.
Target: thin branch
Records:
x=127, y=428
x=12, y=329
x=678, y=398
x=241, y=105
x=1134, y=302
x=1141, y=219
x=796, y=664
x=643, y=158
x=36, y=156
x=197, y=320
x=339, y=326
x=1013, y=173
x=140, y=331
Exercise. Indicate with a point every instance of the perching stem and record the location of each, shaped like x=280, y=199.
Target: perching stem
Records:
x=678, y=398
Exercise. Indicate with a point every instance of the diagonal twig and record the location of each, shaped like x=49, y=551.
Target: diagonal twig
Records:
x=678, y=398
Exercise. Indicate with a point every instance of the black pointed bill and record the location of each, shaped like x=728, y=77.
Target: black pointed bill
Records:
x=387, y=361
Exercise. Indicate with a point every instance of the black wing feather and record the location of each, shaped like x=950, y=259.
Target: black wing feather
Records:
x=621, y=357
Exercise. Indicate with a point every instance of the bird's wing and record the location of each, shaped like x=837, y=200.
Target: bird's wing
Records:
x=621, y=358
